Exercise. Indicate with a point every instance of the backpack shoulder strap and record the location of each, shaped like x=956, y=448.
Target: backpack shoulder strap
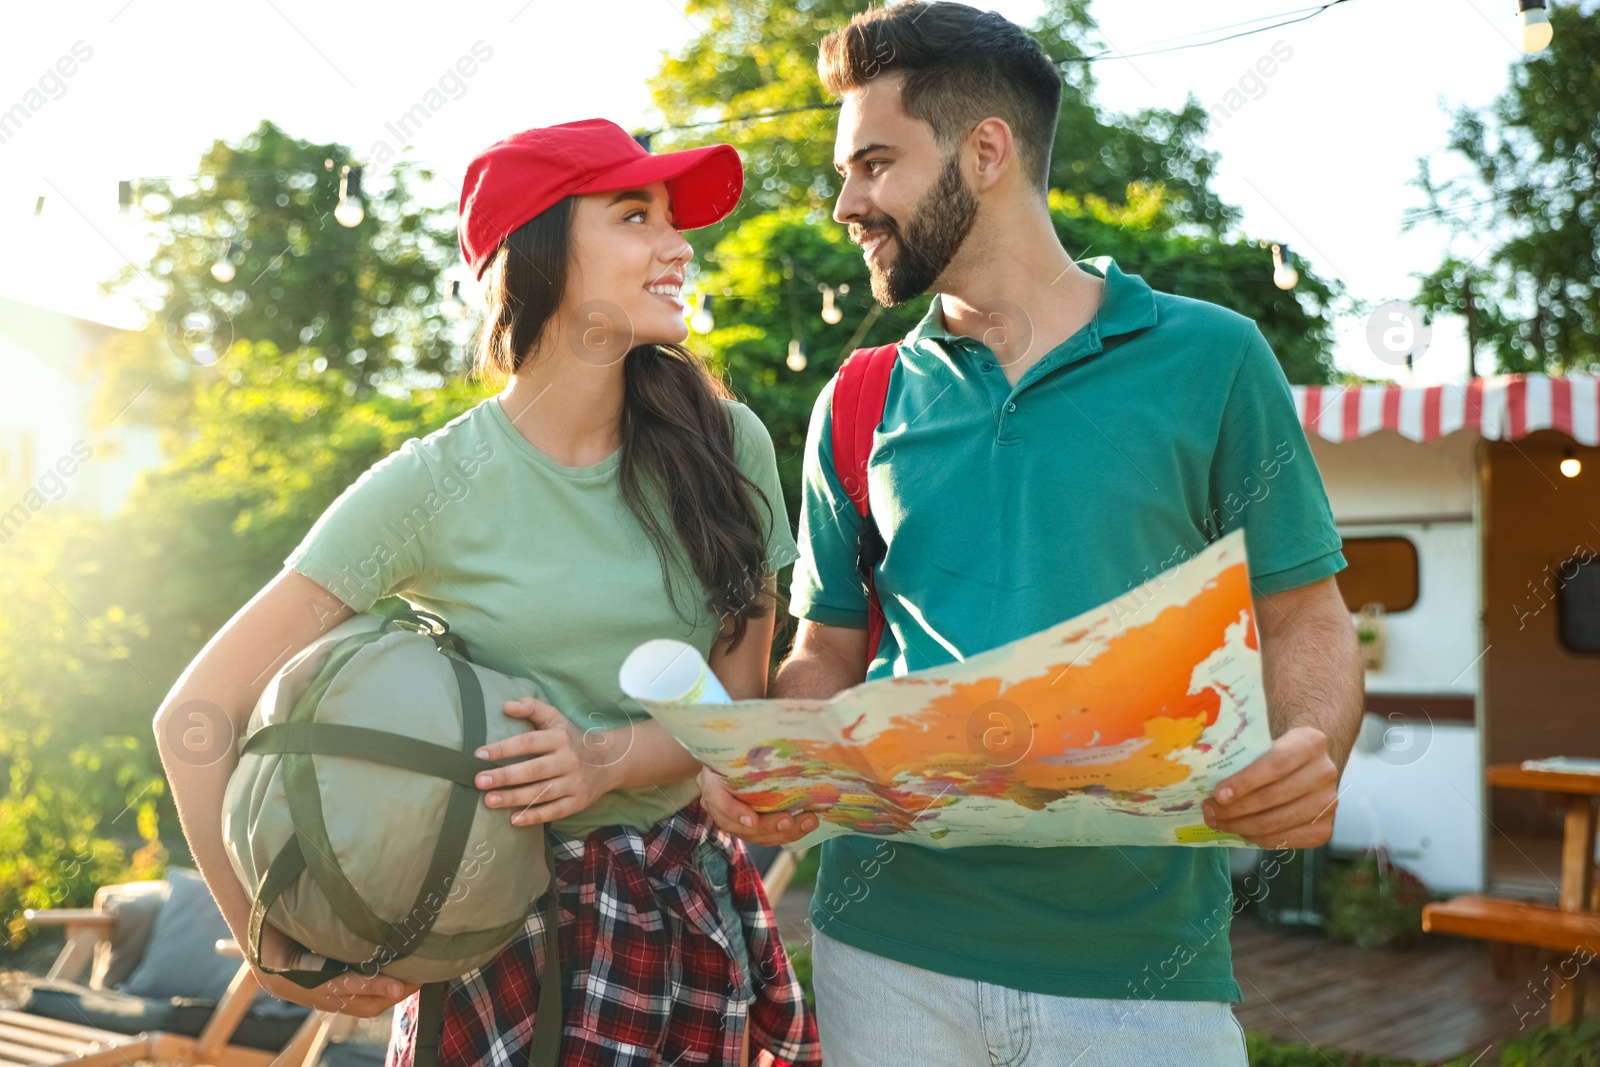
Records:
x=859, y=395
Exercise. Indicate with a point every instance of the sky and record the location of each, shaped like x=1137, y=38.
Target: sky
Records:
x=1318, y=154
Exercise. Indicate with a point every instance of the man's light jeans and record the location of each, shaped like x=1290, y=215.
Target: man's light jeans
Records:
x=880, y=1012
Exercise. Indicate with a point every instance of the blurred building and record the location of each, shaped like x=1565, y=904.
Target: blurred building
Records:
x=50, y=452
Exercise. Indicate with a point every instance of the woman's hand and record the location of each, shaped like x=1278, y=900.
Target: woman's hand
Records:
x=741, y=820
x=558, y=780
x=351, y=993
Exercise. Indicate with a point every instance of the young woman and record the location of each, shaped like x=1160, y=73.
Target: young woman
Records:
x=611, y=493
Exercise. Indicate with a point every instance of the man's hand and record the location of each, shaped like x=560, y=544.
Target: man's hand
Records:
x=1285, y=799
x=741, y=820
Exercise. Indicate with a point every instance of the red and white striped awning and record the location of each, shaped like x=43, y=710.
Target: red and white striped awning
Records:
x=1501, y=408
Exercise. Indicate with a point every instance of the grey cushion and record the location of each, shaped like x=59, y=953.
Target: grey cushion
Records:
x=104, y=1009
x=353, y=1054
x=181, y=959
x=268, y=1024
x=136, y=905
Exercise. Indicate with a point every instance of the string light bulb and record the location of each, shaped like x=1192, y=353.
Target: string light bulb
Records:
x=797, y=356
x=223, y=270
x=1284, y=276
x=1570, y=464
x=453, y=307
x=1536, y=31
x=349, y=212
x=830, y=312
x=703, y=322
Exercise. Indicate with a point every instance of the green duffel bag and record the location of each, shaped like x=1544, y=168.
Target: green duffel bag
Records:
x=354, y=822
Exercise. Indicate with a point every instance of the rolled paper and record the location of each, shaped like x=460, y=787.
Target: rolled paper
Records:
x=665, y=671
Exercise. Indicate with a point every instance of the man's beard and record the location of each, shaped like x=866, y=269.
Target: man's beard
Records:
x=929, y=241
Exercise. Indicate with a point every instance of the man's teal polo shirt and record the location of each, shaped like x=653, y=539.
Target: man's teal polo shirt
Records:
x=1160, y=425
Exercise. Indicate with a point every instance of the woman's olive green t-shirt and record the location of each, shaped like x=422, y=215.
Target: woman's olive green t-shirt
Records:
x=540, y=567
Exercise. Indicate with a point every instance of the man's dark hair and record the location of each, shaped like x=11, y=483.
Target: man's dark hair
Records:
x=960, y=65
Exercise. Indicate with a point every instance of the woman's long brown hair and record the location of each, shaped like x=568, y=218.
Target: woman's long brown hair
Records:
x=677, y=434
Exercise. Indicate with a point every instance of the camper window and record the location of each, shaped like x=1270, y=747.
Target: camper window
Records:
x=1382, y=570
x=1578, y=604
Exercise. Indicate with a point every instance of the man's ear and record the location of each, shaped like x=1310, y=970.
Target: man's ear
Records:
x=994, y=150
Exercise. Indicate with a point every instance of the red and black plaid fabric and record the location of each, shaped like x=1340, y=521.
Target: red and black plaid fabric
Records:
x=652, y=974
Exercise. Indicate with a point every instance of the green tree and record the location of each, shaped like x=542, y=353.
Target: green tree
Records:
x=1528, y=208
x=1458, y=287
x=367, y=297
x=1143, y=235
x=757, y=56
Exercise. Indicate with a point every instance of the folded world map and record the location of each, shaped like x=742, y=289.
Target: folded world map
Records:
x=1106, y=729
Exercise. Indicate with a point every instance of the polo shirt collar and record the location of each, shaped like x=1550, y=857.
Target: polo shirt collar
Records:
x=1127, y=305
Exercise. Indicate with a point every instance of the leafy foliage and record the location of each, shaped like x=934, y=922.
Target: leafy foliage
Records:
x=366, y=297
x=756, y=56
x=1529, y=292
x=1375, y=903
x=78, y=793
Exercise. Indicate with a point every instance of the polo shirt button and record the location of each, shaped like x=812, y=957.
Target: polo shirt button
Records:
x=988, y=366
x=1011, y=405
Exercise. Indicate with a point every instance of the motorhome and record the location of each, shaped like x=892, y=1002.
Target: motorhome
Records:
x=1471, y=522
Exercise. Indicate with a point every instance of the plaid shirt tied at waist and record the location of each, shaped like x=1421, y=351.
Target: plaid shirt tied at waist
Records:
x=668, y=952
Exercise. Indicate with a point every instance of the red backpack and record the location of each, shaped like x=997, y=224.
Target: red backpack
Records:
x=859, y=395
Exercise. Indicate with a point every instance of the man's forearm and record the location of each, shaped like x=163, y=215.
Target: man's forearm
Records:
x=1312, y=669
x=813, y=673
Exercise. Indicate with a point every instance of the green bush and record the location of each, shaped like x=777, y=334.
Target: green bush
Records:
x=51, y=856
x=1375, y=903
x=1265, y=1052
x=1563, y=1046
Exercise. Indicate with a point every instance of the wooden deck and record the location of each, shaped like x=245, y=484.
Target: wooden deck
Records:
x=1427, y=1003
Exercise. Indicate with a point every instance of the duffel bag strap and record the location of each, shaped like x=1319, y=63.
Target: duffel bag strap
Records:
x=544, y=1047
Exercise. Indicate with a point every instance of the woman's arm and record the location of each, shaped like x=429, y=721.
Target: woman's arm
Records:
x=744, y=671
x=571, y=769
x=196, y=728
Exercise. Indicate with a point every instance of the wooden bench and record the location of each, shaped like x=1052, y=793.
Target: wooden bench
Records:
x=1571, y=927
x=1494, y=919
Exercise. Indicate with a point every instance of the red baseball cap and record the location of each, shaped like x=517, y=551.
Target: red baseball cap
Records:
x=513, y=180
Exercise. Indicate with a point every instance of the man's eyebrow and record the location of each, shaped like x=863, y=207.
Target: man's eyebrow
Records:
x=632, y=194
x=858, y=153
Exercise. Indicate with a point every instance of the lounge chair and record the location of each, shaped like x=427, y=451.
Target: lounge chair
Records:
x=166, y=982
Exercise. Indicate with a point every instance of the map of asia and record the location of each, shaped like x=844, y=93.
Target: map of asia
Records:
x=1108, y=728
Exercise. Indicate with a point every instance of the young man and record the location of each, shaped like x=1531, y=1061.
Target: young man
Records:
x=1054, y=435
